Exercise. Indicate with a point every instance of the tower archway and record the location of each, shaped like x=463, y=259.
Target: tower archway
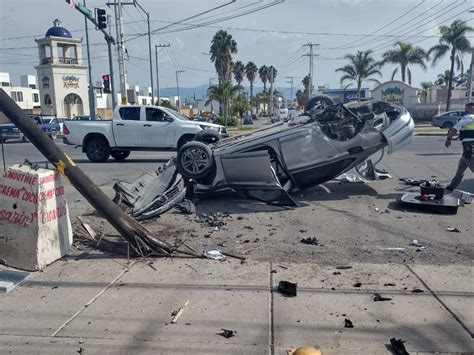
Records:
x=73, y=105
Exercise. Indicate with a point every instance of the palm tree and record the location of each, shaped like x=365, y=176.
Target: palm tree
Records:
x=301, y=97
x=263, y=74
x=361, y=67
x=271, y=73
x=222, y=48
x=239, y=106
x=306, y=83
x=251, y=71
x=425, y=85
x=223, y=92
x=453, y=39
x=443, y=79
x=238, y=69
x=404, y=55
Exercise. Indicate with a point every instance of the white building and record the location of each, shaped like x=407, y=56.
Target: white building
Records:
x=63, y=76
x=25, y=95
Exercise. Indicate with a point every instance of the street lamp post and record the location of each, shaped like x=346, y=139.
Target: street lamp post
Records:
x=177, y=89
x=210, y=84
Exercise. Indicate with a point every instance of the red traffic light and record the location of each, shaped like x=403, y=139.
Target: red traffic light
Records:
x=105, y=77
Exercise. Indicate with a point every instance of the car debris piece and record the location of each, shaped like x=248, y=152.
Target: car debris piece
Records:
x=464, y=196
x=417, y=290
x=152, y=193
x=343, y=267
x=214, y=254
x=394, y=249
x=186, y=206
x=389, y=284
x=379, y=298
x=398, y=347
x=349, y=178
x=227, y=333
x=305, y=350
x=287, y=288
x=453, y=229
x=348, y=323
x=358, y=284
x=310, y=241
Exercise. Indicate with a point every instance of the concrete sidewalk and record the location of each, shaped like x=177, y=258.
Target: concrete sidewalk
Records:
x=101, y=304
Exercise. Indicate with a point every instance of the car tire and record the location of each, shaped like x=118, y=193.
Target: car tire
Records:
x=97, y=150
x=120, y=155
x=321, y=100
x=195, y=160
x=447, y=125
x=53, y=135
x=207, y=136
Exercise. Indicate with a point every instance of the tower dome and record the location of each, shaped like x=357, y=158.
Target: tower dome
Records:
x=58, y=31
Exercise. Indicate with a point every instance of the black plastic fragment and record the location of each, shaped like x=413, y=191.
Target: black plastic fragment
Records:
x=348, y=323
x=310, y=241
x=380, y=298
x=227, y=333
x=398, y=347
x=287, y=288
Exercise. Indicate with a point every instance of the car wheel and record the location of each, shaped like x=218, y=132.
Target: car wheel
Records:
x=194, y=160
x=207, y=136
x=319, y=102
x=120, y=154
x=53, y=135
x=447, y=125
x=97, y=150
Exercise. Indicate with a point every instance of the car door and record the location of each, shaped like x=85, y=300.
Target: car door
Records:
x=128, y=129
x=159, y=130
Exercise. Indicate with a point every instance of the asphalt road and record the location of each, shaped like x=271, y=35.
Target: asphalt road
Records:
x=353, y=221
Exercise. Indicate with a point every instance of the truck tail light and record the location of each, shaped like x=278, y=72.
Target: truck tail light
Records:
x=65, y=130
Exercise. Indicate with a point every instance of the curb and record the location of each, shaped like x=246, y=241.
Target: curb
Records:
x=429, y=134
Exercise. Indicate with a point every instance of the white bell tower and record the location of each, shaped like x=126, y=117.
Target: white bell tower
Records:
x=62, y=76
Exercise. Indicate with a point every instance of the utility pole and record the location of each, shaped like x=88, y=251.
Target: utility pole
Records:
x=311, y=55
x=91, y=86
x=157, y=79
x=147, y=14
x=471, y=78
x=291, y=90
x=210, y=84
x=271, y=91
x=177, y=89
x=121, y=49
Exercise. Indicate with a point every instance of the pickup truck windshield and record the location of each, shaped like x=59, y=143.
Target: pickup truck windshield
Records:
x=177, y=115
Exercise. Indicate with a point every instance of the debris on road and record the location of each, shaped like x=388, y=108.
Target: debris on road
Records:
x=417, y=290
x=389, y=284
x=348, y=323
x=310, y=241
x=227, y=333
x=152, y=193
x=349, y=178
x=186, y=207
x=214, y=254
x=287, y=288
x=179, y=312
x=343, y=267
x=398, y=347
x=304, y=351
x=379, y=298
x=358, y=284
x=453, y=229
x=215, y=220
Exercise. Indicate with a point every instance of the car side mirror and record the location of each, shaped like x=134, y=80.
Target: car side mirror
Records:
x=168, y=119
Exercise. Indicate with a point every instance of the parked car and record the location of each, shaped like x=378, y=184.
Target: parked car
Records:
x=54, y=120
x=200, y=119
x=447, y=119
x=135, y=127
x=49, y=125
x=248, y=120
x=85, y=118
x=10, y=132
x=327, y=141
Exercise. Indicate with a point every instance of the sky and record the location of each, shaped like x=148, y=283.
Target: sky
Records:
x=274, y=36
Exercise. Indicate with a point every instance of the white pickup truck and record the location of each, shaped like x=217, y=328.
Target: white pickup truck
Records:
x=134, y=127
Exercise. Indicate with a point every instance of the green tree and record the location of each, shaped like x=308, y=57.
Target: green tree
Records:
x=167, y=103
x=251, y=73
x=404, y=55
x=301, y=98
x=425, y=86
x=453, y=40
x=238, y=69
x=443, y=78
x=223, y=92
x=240, y=105
x=306, y=83
x=222, y=48
x=361, y=67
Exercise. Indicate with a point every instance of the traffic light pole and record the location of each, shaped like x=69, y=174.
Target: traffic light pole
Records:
x=91, y=87
x=111, y=75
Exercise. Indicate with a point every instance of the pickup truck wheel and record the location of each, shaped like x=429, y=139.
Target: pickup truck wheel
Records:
x=120, y=154
x=53, y=135
x=194, y=160
x=97, y=150
x=207, y=136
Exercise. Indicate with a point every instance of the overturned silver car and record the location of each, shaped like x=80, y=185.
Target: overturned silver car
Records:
x=267, y=164
x=325, y=142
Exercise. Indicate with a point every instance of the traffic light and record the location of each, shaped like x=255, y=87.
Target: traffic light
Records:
x=101, y=18
x=106, y=83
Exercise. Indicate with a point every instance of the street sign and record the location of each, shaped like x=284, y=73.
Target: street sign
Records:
x=85, y=10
